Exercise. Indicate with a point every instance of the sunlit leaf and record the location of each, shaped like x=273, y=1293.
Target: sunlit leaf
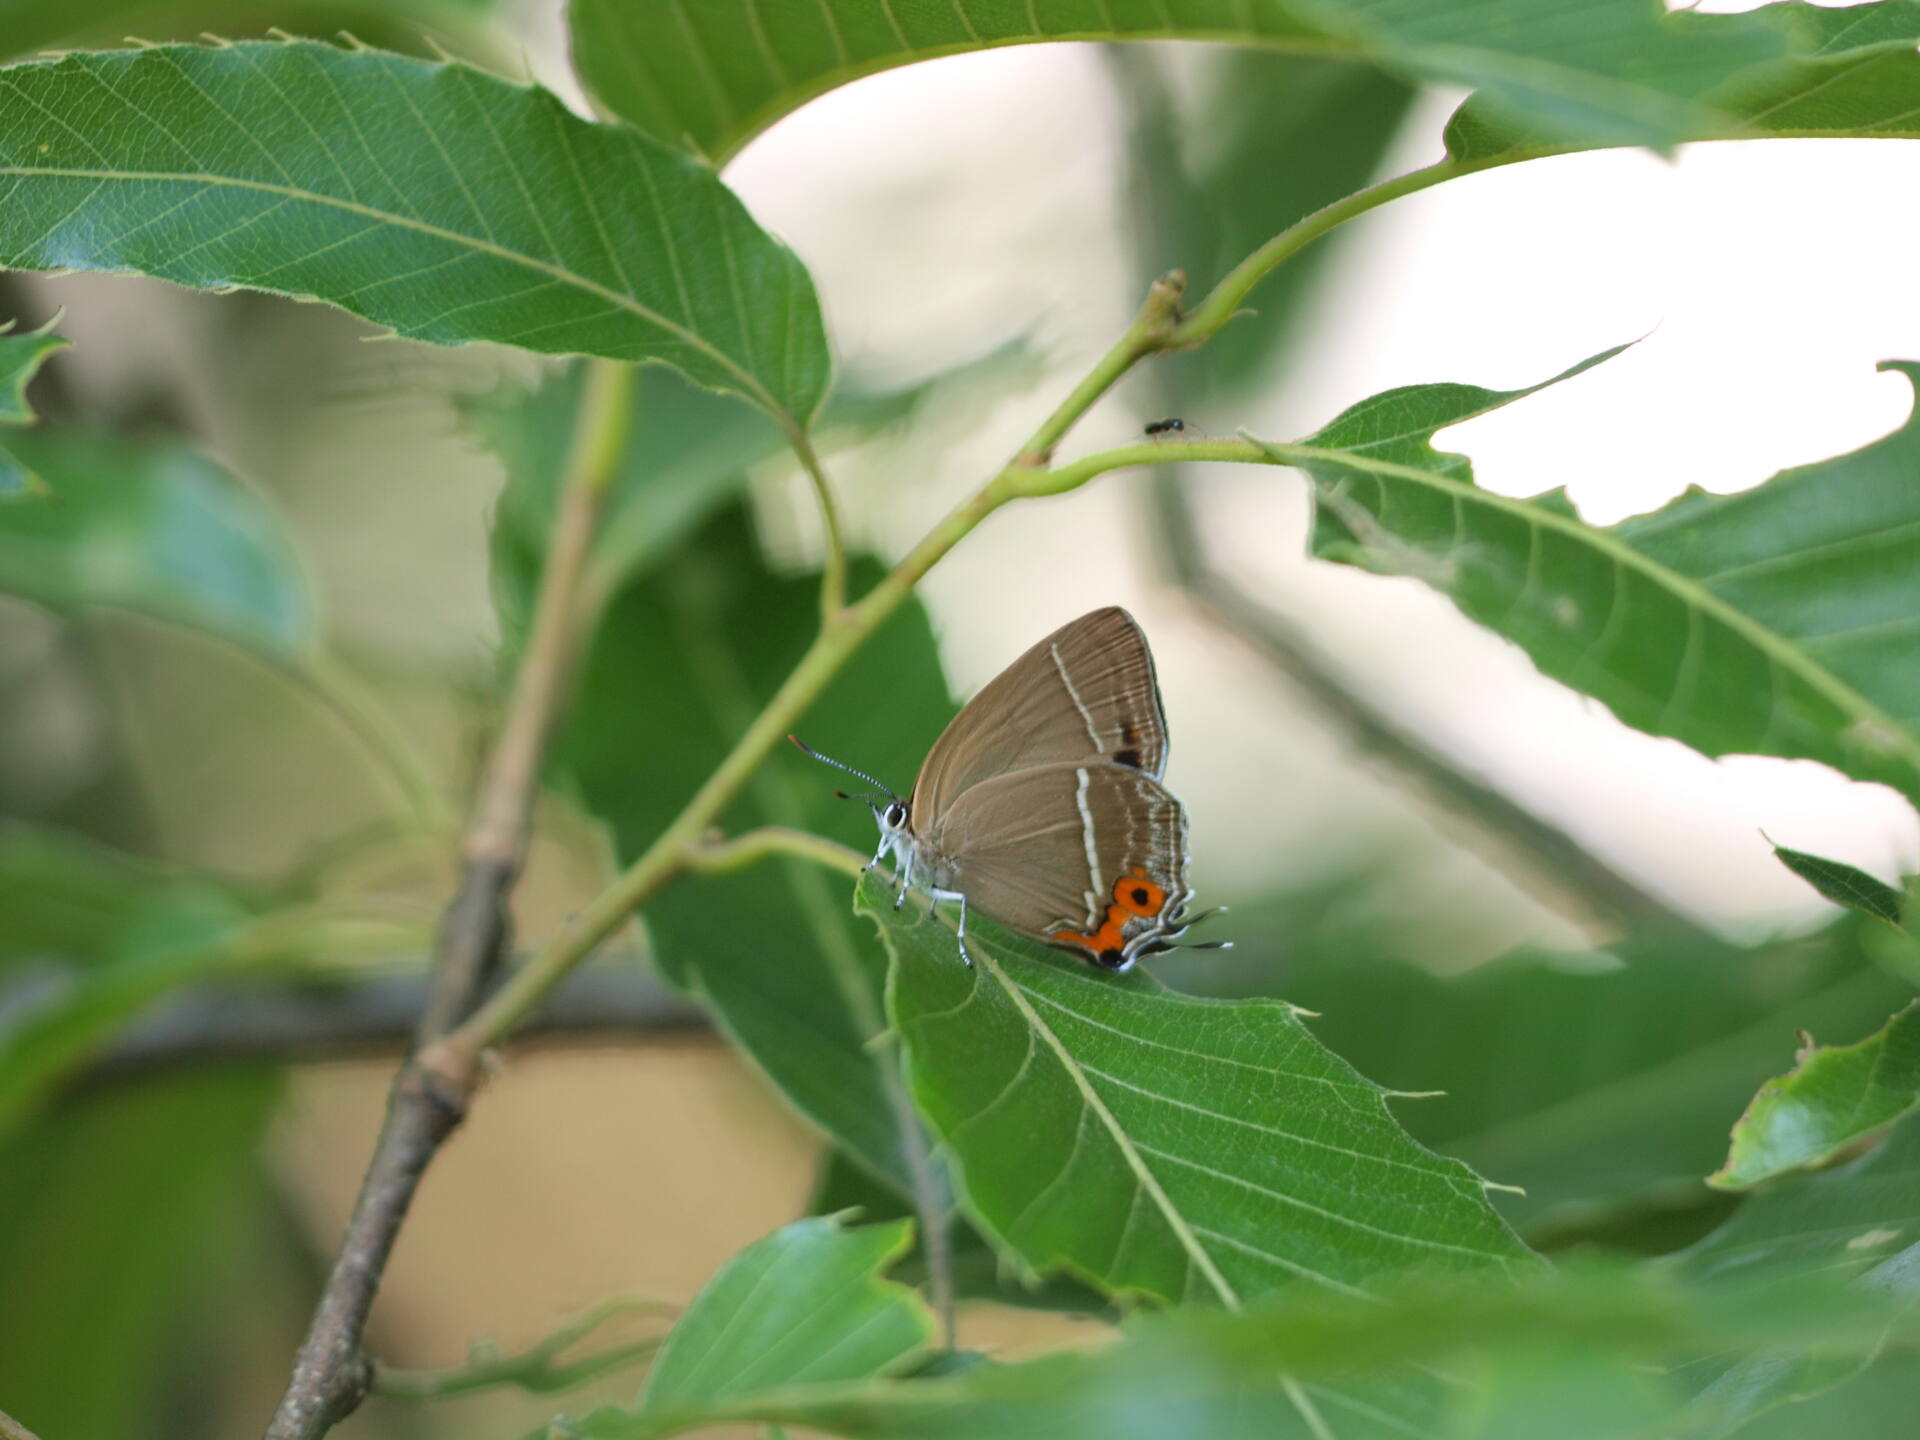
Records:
x=808, y=1305
x=682, y=662
x=1162, y=1145
x=1845, y=885
x=434, y=199
x=1777, y=621
x=1835, y=1096
x=1603, y=71
x=154, y=528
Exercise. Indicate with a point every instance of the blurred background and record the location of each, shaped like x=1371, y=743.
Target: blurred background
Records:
x=1385, y=794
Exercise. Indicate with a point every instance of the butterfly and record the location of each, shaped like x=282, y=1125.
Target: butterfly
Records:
x=1041, y=804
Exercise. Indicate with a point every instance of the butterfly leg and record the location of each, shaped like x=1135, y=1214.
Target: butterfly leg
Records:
x=884, y=842
x=938, y=895
x=906, y=881
x=965, y=958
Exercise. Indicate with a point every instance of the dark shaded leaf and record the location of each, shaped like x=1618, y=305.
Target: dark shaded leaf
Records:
x=680, y=666
x=1861, y=1220
x=1844, y=885
x=1591, y=1081
x=114, y=1211
x=437, y=200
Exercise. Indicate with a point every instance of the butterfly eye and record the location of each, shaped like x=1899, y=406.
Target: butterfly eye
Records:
x=896, y=815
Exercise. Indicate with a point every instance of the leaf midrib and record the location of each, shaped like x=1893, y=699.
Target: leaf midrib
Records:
x=750, y=385
x=1142, y=1173
x=1769, y=642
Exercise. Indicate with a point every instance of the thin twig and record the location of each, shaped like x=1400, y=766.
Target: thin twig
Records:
x=331, y=1373
x=12, y=1429
x=833, y=574
x=538, y=1369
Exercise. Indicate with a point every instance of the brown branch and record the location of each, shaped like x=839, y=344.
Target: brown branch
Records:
x=12, y=1429
x=375, y=1017
x=331, y=1373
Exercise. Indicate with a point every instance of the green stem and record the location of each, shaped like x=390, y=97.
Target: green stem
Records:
x=539, y=1369
x=833, y=577
x=1151, y=330
x=754, y=846
x=369, y=721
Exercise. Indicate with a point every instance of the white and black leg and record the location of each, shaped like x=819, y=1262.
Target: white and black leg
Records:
x=939, y=895
x=906, y=881
x=884, y=843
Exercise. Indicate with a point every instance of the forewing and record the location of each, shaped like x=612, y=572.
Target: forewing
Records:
x=1085, y=694
x=1090, y=856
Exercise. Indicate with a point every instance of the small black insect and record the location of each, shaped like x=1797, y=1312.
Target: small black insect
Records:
x=1168, y=426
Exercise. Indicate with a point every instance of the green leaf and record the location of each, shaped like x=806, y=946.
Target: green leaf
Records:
x=436, y=200
x=1834, y=1096
x=1161, y=1145
x=21, y=356
x=66, y=898
x=154, y=528
x=1601, y=71
x=975, y=1268
x=28, y=27
x=808, y=1305
x=688, y=452
x=60, y=1019
x=681, y=664
x=1563, y=1354
x=1777, y=621
x=1849, y=71
x=1861, y=1220
x=115, y=1211
x=1844, y=885
x=1616, y=1091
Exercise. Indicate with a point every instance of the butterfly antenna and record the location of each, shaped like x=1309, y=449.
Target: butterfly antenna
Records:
x=829, y=760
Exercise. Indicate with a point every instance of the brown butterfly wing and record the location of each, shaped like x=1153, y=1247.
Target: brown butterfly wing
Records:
x=1085, y=694
x=1089, y=857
